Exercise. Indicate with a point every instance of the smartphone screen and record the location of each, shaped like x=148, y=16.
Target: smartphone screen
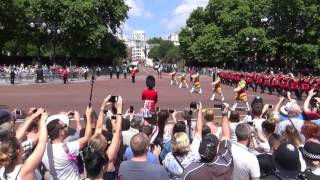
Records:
x=131, y=109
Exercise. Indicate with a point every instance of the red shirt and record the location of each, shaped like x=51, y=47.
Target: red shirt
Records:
x=133, y=72
x=150, y=98
x=311, y=115
x=65, y=73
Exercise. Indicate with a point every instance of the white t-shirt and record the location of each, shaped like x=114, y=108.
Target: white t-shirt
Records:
x=246, y=164
x=13, y=175
x=62, y=168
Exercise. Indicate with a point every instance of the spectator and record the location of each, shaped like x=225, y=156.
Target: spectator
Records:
x=212, y=123
x=11, y=163
x=99, y=156
x=313, y=112
x=59, y=156
x=234, y=119
x=179, y=126
x=135, y=125
x=287, y=164
x=138, y=167
x=311, y=153
x=7, y=123
x=216, y=158
x=292, y=109
x=265, y=159
x=246, y=165
x=310, y=131
x=152, y=157
x=183, y=153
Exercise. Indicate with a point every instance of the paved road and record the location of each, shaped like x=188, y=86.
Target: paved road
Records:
x=57, y=97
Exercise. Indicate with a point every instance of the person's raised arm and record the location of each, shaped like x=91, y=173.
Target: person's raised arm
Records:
x=30, y=118
x=99, y=125
x=289, y=96
x=112, y=151
x=276, y=108
x=306, y=103
x=77, y=120
x=226, y=134
x=33, y=161
x=88, y=131
x=174, y=117
x=199, y=124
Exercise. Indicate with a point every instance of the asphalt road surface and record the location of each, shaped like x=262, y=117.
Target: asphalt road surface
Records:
x=56, y=97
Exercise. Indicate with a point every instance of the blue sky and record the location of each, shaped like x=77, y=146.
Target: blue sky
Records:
x=159, y=18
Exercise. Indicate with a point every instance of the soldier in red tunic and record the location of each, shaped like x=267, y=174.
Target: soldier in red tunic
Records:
x=267, y=82
x=295, y=86
x=306, y=85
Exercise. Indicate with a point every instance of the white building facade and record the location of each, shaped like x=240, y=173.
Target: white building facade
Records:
x=139, y=48
x=174, y=38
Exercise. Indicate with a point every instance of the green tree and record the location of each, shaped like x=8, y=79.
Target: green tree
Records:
x=173, y=55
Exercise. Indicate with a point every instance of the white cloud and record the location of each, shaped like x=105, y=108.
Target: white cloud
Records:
x=148, y=15
x=137, y=9
x=164, y=21
x=181, y=13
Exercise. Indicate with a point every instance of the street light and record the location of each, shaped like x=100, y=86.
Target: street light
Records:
x=54, y=31
x=251, y=40
x=39, y=24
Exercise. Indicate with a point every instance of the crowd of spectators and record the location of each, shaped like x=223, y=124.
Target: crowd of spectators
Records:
x=26, y=71
x=270, y=142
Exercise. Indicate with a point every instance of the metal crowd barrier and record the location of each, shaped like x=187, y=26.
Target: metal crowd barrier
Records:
x=31, y=77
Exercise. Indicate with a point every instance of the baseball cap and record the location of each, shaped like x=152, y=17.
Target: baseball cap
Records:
x=64, y=118
x=311, y=151
x=286, y=160
x=207, y=148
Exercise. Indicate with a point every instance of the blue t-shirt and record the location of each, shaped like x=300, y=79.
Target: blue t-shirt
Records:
x=284, y=117
x=151, y=158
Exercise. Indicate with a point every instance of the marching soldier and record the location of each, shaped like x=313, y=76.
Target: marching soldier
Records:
x=173, y=78
x=183, y=81
x=241, y=95
x=295, y=86
x=306, y=85
x=217, y=87
x=196, y=83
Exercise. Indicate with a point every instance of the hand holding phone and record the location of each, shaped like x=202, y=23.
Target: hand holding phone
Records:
x=113, y=99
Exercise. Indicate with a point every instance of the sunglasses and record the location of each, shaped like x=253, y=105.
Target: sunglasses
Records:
x=65, y=126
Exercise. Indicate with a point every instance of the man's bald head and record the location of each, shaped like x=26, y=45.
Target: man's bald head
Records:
x=139, y=144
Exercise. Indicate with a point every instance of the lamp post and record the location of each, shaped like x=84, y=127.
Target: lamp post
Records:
x=54, y=31
x=41, y=26
x=251, y=40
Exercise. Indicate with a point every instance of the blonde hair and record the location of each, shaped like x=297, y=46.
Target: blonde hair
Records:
x=8, y=152
x=180, y=144
x=98, y=142
x=209, y=115
x=292, y=135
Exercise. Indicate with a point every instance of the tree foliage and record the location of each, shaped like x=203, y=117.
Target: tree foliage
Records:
x=164, y=50
x=85, y=26
x=279, y=32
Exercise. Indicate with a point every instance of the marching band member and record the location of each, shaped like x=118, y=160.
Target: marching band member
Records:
x=173, y=77
x=183, y=81
x=196, y=83
x=241, y=94
x=217, y=87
